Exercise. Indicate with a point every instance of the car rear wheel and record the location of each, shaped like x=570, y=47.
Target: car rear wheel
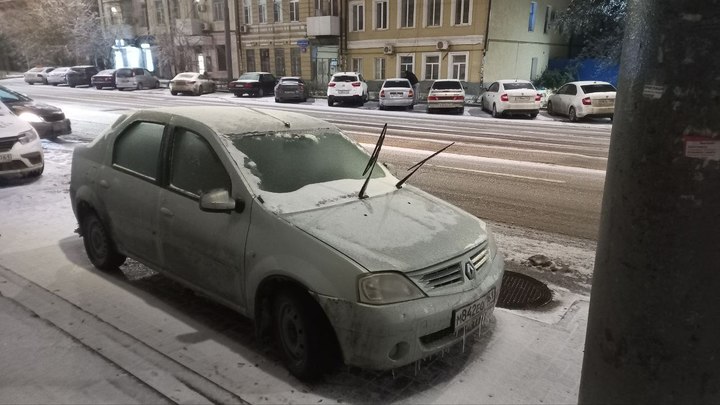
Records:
x=261, y=93
x=331, y=101
x=139, y=86
x=98, y=244
x=533, y=115
x=303, y=334
x=98, y=87
x=494, y=112
x=572, y=115
x=173, y=92
x=550, y=108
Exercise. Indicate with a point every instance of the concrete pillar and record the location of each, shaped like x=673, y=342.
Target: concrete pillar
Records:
x=654, y=323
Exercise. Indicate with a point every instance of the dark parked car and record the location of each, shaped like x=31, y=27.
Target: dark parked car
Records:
x=80, y=75
x=256, y=84
x=105, y=78
x=48, y=121
x=291, y=88
x=37, y=75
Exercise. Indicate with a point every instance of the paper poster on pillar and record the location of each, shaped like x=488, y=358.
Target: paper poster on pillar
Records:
x=702, y=147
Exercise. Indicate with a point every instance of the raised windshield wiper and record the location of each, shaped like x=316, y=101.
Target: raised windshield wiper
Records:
x=419, y=164
x=371, y=163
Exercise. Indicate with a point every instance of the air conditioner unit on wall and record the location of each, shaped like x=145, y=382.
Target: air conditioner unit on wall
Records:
x=388, y=50
x=244, y=29
x=442, y=45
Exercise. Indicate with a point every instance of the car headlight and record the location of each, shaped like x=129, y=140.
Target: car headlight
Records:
x=27, y=136
x=31, y=117
x=387, y=288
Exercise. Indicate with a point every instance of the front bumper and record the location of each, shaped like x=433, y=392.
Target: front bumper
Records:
x=52, y=129
x=25, y=159
x=390, y=336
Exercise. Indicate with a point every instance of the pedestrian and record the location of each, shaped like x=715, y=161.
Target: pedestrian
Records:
x=414, y=82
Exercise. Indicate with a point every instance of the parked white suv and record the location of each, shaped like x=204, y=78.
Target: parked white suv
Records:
x=349, y=87
x=583, y=99
x=511, y=97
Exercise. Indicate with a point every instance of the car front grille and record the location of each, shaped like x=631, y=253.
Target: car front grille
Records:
x=13, y=165
x=7, y=143
x=434, y=279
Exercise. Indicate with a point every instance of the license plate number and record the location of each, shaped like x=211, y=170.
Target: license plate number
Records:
x=605, y=103
x=474, y=314
x=524, y=99
x=5, y=157
x=343, y=91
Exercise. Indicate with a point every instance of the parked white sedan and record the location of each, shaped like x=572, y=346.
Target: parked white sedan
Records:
x=21, y=152
x=583, y=99
x=397, y=92
x=446, y=94
x=283, y=218
x=511, y=97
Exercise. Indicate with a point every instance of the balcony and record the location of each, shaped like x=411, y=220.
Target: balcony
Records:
x=326, y=25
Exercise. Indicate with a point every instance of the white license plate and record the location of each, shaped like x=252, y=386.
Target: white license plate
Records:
x=475, y=313
x=605, y=103
x=524, y=99
x=5, y=157
x=343, y=91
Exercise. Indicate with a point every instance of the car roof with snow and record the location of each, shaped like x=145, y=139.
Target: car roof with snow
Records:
x=240, y=120
x=513, y=81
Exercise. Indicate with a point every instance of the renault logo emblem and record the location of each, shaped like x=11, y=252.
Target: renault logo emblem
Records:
x=469, y=271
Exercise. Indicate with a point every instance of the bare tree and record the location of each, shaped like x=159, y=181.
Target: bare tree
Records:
x=58, y=32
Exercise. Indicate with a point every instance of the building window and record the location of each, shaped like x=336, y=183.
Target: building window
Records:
x=294, y=10
x=462, y=12
x=432, y=67
x=407, y=13
x=407, y=63
x=531, y=20
x=247, y=11
x=159, y=12
x=277, y=11
x=250, y=58
x=434, y=10
x=380, y=68
x=194, y=12
x=175, y=9
x=295, y=62
x=218, y=10
x=458, y=66
x=262, y=13
x=265, y=60
x=327, y=7
x=549, y=19
x=221, y=62
x=279, y=62
x=357, y=15
x=381, y=14
x=357, y=65
x=533, y=68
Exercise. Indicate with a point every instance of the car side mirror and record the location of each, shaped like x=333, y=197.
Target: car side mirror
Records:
x=219, y=200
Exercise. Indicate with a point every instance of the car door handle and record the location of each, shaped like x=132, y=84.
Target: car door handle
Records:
x=167, y=212
x=104, y=184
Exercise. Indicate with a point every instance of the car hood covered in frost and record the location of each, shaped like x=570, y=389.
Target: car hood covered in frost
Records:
x=403, y=230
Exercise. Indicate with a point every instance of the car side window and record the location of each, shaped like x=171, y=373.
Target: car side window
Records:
x=562, y=90
x=137, y=149
x=138, y=72
x=572, y=90
x=494, y=87
x=195, y=169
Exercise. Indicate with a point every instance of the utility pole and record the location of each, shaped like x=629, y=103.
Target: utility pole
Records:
x=228, y=47
x=654, y=323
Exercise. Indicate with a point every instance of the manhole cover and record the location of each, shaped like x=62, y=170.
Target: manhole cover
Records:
x=519, y=291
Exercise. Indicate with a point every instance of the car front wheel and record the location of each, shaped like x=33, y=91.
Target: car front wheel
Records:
x=98, y=244
x=303, y=334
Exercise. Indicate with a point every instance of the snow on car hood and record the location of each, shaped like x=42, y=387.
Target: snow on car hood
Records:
x=403, y=230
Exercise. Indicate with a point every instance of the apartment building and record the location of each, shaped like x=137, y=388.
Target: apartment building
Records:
x=283, y=37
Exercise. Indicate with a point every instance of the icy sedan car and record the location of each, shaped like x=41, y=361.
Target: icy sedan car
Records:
x=269, y=213
x=21, y=152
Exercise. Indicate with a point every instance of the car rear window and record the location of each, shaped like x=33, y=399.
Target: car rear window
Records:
x=36, y=70
x=448, y=85
x=283, y=162
x=124, y=73
x=597, y=88
x=107, y=72
x=290, y=81
x=250, y=76
x=396, y=83
x=345, y=78
x=515, y=86
x=185, y=76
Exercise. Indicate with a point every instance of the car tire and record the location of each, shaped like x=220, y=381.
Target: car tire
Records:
x=197, y=91
x=461, y=110
x=54, y=84
x=494, y=112
x=572, y=114
x=139, y=86
x=303, y=334
x=331, y=101
x=98, y=244
x=72, y=85
x=430, y=110
x=173, y=92
x=157, y=84
x=381, y=107
x=277, y=100
x=410, y=107
x=98, y=87
x=261, y=93
x=533, y=115
x=30, y=83
x=550, y=108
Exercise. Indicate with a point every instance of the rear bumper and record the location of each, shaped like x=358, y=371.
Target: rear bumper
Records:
x=445, y=104
x=596, y=112
x=397, y=102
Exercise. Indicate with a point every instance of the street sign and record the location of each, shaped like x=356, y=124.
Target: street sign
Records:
x=303, y=43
